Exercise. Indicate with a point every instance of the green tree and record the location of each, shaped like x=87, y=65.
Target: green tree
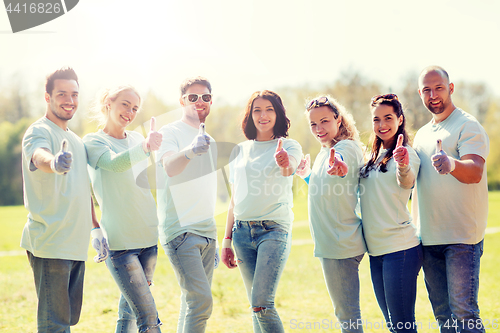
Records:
x=11, y=184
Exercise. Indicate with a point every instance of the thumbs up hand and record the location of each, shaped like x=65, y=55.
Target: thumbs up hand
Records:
x=61, y=164
x=336, y=167
x=153, y=140
x=200, y=144
x=281, y=156
x=441, y=161
x=400, y=153
x=304, y=168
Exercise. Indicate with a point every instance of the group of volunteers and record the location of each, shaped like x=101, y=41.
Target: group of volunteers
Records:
x=357, y=203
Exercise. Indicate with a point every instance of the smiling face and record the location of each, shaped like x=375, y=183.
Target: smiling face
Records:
x=198, y=111
x=123, y=110
x=324, y=126
x=62, y=102
x=385, y=123
x=264, y=118
x=435, y=92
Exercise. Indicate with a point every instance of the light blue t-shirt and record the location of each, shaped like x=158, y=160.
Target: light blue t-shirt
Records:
x=186, y=202
x=387, y=224
x=128, y=208
x=451, y=212
x=335, y=226
x=59, y=206
x=260, y=191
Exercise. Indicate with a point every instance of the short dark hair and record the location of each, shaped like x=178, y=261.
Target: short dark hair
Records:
x=195, y=80
x=65, y=73
x=282, y=122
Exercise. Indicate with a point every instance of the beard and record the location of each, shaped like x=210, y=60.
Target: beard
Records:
x=436, y=109
x=60, y=114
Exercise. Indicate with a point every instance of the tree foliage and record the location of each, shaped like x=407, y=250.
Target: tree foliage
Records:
x=351, y=89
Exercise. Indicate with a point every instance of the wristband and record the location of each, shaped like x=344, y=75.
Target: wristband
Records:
x=96, y=233
x=226, y=243
x=145, y=147
x=189, y=154
x=53, y=167
x=452, y=164
x=228, y=238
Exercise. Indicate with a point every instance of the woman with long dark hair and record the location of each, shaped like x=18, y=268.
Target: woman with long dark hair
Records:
x=391, y=237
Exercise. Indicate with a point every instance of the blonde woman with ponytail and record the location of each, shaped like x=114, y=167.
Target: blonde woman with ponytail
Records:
x=129, y=221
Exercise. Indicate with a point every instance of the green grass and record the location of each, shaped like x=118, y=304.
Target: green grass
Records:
x=301, y=298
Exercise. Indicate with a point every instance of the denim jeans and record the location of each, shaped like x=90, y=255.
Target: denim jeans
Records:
x=192, y=257
x=394, y=278
x=451, y=275
x=262, y=249
x=59, y=287
x=342, y=282
x=132, y=271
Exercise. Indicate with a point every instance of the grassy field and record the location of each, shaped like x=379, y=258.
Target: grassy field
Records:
x=302, y=299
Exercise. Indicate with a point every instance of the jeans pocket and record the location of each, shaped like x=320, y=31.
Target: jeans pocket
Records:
x=359, y=258
x=175, y=243
x=274, y=226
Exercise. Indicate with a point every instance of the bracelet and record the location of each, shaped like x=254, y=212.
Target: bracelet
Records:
x=228, y=238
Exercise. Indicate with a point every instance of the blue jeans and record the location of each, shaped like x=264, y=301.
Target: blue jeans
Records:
x=394, y=278
x=342, y=282
x=59, y=287
x=451, y=275
x=192, y=257
x=133, y=271
x=262, y=248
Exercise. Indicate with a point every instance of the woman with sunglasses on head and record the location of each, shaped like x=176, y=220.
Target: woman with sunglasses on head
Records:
x=391, y=237
x=332, y=199
x=117, y=158
x=260, y=212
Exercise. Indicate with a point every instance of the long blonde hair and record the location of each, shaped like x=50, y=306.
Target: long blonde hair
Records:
x=99, y=111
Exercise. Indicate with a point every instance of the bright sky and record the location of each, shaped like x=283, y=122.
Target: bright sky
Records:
x=243, y=46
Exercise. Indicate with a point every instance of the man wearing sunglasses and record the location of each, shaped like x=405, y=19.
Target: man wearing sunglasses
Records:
x=186, y=204
x=452, y=194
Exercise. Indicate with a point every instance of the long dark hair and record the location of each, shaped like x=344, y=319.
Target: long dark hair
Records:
x=282, y=122
x=393, y=101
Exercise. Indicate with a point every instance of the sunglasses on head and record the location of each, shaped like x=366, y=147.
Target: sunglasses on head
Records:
x=386, y=96
x=322, y=101
x=193, y=98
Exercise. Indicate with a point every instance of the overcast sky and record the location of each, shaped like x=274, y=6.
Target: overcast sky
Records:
x=243, y=46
